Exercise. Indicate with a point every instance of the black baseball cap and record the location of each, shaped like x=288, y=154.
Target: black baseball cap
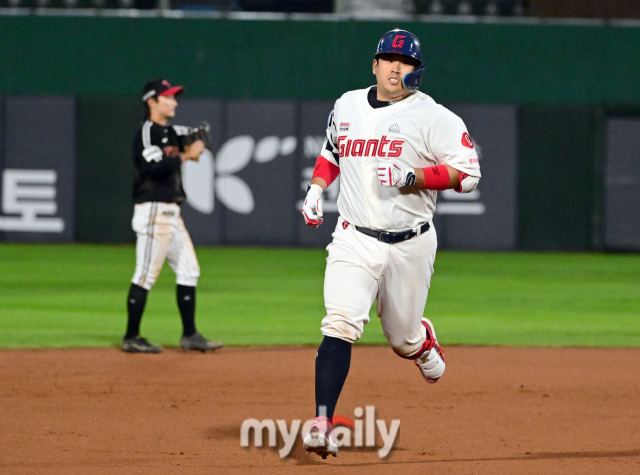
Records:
x=160, y=87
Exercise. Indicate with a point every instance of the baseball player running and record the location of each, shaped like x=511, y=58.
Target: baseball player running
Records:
x=158, y=153
x=393, y=148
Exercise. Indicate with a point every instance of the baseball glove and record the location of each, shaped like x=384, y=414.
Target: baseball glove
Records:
x=202, y=132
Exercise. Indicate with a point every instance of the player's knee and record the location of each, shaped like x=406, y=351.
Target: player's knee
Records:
x=404, y=348
x=189, y=279
x=146, y=281
x=338, y=326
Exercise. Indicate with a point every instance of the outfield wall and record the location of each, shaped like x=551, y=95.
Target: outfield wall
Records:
x=467, y=62
x=540, y=100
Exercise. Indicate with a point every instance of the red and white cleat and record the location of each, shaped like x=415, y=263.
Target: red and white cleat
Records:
x=321, y=439
x=431, y=362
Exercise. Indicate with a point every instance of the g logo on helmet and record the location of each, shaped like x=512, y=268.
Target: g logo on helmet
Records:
x=398, y=41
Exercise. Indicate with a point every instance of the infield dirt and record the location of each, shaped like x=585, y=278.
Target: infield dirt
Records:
x=495, y=411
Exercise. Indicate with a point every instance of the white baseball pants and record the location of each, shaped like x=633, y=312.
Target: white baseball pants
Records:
x=361, y=269
x=161, y=235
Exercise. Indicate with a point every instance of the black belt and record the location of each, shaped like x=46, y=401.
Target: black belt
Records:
x=393, y=237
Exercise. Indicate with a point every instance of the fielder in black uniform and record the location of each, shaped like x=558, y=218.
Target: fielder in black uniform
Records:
x=158, y=153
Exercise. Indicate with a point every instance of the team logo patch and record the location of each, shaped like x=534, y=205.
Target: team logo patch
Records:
x=345, y=224
x=466, y=140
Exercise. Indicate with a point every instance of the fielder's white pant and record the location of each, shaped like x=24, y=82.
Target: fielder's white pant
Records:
x=361, y=269
x=161, y=235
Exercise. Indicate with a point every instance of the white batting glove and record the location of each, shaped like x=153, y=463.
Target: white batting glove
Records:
x=312, y=209
x=393, y=173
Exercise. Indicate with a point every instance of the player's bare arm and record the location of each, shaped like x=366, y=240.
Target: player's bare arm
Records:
x=316, y=180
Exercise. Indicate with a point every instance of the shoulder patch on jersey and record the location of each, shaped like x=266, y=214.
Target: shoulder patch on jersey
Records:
x=466, y=140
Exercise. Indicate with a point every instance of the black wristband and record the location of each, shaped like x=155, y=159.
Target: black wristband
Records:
x=411, y=179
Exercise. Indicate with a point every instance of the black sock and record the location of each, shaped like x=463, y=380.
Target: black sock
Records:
x=135, y=307
x=332, y=368
x=187, y=305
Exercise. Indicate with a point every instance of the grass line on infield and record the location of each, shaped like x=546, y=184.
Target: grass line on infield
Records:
x=75, y=295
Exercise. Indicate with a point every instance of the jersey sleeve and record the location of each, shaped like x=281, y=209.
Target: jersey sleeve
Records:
x=451, y=144
x=151, y=157
x=330, y=146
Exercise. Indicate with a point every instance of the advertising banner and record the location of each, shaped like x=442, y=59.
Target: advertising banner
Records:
x=248, y=190
x=486, y=218
x=38, y=169
x=622, y=176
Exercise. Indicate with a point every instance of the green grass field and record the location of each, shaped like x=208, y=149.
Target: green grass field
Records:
x=74, y=295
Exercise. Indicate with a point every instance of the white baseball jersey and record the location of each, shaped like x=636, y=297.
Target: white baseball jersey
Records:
x=419, y=133
x=416, y=131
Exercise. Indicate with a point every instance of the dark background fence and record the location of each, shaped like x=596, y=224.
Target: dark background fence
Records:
x=565, y=91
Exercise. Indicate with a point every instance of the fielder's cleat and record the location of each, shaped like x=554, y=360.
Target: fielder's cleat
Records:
x=431, y=362
x=197, y=342
x=321, y=439
x=138, y=344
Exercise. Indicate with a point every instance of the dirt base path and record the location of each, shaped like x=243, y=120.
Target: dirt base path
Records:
x=495, y=411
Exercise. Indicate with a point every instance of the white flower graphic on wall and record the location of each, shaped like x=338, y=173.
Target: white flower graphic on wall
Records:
x=213, y=177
